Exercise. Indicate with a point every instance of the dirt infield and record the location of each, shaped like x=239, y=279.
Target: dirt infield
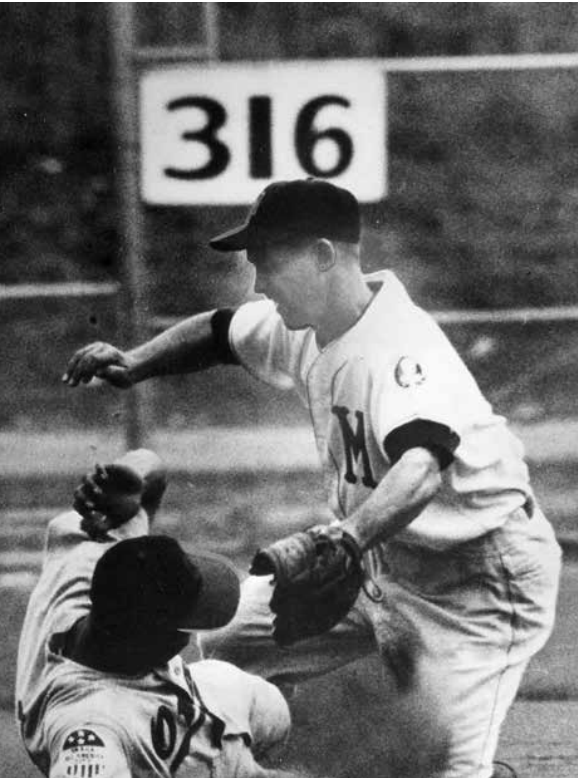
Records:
x=540, y=739
x=243, y=486
x=219, y=449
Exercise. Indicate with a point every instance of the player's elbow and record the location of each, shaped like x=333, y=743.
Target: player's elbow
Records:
x=423, y=467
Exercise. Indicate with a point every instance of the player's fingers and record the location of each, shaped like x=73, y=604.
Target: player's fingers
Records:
x=95, y=525
x=83, y=486
x=84, y=509
x=83, y=505
x=73, y=369
x=75, y=359
x=87, y=361
x=98, y=355
x=88, y=493
x=87, y=489
x=100, y=475
x=123, y=478
x=89, y=481
x=81, y=372
x=94, y=493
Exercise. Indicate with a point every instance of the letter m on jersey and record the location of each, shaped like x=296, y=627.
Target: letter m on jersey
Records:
x=354, y=446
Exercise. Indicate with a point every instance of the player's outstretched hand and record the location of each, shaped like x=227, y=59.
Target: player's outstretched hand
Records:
x=108, y=498
x=99, y=360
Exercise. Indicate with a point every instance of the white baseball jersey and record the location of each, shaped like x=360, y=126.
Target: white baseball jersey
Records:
x=204, y=719
x=389, y=382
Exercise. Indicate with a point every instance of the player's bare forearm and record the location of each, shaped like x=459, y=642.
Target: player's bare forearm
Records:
x=397, y=500
x=184, y=348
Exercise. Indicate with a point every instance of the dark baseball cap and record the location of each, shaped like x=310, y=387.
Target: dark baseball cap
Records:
x=307, y=208
x=150, y=584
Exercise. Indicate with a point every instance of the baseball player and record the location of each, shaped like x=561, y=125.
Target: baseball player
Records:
x=101, y=688
x=423, y=477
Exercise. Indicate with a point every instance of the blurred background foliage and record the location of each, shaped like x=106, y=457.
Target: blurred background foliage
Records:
x=483, y=169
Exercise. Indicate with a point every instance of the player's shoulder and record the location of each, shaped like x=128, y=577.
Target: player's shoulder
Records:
x=266, y=347
x=260, y=318
x=67, y=522
x=64, y=529
x=68, y=549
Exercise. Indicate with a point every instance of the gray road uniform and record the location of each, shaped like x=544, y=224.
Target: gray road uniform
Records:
x=203, y=719
x=476, y=573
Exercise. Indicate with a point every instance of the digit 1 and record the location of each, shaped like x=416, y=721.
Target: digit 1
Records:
x=260, y=151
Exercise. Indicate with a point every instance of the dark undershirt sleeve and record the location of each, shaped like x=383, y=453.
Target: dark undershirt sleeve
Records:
x=220, y=324
x=422, y=433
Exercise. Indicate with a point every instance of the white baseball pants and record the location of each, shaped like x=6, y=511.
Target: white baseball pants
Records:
x=481, y=611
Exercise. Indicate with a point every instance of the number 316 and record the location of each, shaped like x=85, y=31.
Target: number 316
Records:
x=306, y=138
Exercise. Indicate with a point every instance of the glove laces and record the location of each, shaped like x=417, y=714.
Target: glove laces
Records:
x=371, y=588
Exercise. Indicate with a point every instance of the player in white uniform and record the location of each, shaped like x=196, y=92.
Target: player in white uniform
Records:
x=419, y=469
x=101, y=688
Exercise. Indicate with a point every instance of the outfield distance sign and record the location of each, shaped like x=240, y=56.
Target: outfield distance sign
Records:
x=219, y=133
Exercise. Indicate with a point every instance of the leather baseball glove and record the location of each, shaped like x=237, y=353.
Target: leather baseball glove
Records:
x=318, y=576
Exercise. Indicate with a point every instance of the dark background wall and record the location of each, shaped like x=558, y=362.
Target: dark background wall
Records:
x=483, y=201
x=484, y=167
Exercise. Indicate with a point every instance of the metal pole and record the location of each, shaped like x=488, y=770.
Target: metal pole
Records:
x=133, y=298
x=212, y=31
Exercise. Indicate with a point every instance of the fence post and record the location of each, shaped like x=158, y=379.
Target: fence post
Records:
x=133, y=299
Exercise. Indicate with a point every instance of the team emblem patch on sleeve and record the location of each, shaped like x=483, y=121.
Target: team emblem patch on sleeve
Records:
x=84, y=755
x=82, y=737
x=408, y=372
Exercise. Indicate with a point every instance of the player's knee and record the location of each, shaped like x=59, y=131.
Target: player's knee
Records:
x=270, y=720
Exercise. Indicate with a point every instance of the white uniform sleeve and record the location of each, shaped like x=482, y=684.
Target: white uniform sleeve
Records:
x=415, y=389
x=69, y=562
x=237, y=761
x=88, y=750
x=245, y=702
x=61, y=595
x=64, y=532
x=264, y=346
x=269, y=717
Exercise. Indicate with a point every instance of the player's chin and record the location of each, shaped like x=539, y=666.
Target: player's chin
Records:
x=292, y=322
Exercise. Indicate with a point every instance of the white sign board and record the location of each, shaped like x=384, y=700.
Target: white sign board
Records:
x=219, y=133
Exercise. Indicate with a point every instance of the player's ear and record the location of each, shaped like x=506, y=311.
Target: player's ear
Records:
x=324, y=254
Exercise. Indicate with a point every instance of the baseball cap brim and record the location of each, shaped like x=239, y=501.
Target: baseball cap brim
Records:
x=218, y=600
x=235, y=239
